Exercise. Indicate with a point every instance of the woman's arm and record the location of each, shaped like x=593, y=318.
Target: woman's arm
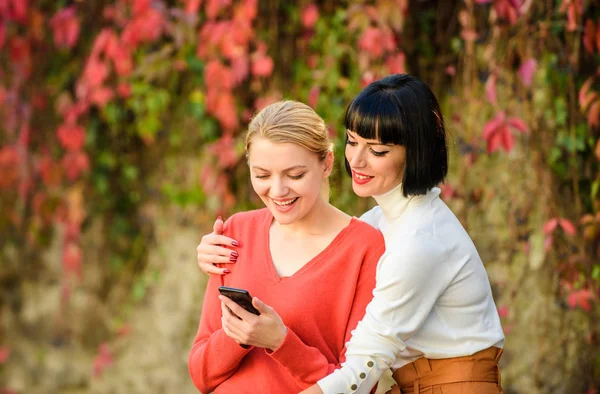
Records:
x=214, y=356
x=410, y=278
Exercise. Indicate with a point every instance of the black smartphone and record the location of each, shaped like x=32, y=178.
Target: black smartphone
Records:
x=240, y=297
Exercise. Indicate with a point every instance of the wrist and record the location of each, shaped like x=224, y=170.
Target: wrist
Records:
x=280, y=339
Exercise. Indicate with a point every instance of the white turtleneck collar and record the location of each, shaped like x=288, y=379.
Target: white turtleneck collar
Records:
x=393, y=203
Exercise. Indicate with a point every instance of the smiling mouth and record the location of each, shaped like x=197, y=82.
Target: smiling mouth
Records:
x=285, y=203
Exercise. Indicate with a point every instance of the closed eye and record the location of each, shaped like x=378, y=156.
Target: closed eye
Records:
x=378, y=153
x=296, y=177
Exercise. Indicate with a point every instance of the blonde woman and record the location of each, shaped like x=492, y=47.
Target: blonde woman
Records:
x=309, y=266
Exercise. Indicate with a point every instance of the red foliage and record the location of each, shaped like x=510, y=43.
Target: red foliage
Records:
x=376, y=41
x=574, y=10
x=102, y=360
x=14, y=10
x=310, y=16
x=19, y=51
x=527, y=70
x=565, y=224
x=503, y=311
x=396, y=64
x=4, y=354
x=498, y=132
x=72, y=258
x=490, y=89
x=9, y=162
x=66, y=28
x=71, y=136
x=213, y=7
x=75, y=163
x=590, y=40
x=581, y=298
x=313, y=96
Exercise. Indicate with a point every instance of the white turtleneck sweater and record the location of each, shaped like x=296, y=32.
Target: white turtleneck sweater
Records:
x=432, y=298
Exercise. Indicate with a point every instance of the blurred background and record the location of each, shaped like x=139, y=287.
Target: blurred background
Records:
x=121, y=125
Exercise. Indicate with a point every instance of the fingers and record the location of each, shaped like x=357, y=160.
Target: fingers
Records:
x=237, y=310
x=213, y=269
x=216, y=239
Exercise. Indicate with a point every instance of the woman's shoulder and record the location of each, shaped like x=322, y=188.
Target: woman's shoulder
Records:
x=372, y=216
x=247, y=218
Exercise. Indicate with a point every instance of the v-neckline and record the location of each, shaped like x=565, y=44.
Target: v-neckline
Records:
x=269, y=258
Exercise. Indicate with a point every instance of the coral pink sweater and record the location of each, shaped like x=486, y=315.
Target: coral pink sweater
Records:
x=320, y=304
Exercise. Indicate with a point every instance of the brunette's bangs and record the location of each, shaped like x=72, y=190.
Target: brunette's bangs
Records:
x=377, y=117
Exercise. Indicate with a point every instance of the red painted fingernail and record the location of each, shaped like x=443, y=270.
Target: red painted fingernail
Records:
x=235, y=243
x=220, y=218
x=232, y=258
x=234, y=254
x=226, y=271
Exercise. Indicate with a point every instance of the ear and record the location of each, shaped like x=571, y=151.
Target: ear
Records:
x=328, y=164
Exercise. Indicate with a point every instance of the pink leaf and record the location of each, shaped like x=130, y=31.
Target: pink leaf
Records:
x=396, y=64
x=66, y=28
x=103, y=359
x=71, y=136
x=72, y=258
x=313, y=96
x=518, y=124
x=580, y=298
x=567, y=226
x=508, y=140
x=527, y=70
x=503, y=311
x=75, y=163
x=310, y=16
x=490, y=89
x=124, y=90
x=262, y=66
x=550, y=226
x=594, y=114
x=589, y=36
x=4, y=354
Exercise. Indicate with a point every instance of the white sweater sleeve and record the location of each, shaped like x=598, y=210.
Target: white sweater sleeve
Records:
x=410, y=278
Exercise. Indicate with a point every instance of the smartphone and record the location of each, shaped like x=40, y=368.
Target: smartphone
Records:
x=240, y=297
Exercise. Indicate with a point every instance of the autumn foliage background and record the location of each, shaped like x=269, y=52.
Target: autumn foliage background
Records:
x=120, y=140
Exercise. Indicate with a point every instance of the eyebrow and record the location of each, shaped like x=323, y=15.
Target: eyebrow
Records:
x=287, y=169
x=368, y=143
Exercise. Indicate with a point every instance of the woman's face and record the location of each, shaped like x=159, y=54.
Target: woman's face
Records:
x=287, y=177
x=376, y=168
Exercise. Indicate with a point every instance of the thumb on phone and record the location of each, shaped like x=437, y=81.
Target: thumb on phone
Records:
x=218, y=226
x=261, y=306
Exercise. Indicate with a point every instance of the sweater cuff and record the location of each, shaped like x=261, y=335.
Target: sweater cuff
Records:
x=287, y=353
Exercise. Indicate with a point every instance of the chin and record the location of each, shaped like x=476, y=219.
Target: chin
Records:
x=361, y=191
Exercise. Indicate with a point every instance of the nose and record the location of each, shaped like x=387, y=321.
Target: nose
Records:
x=356, y=158
x=279, y=188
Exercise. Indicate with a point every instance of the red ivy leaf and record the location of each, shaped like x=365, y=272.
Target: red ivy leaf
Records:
x=518, y=124
x=71, y=136
x=101, y=96
x=396, y=64
x=124, y=90
x=192, y=6
x=4, y=354
x=580, y=298
x=75, y=163
x=213, y=7
x=550, y=226
x=72, y=258
x=567, y=226
x=102, y=360
x=589, y=36
x=262, y=66
x=65, y=25
x=503, y=311
x=2, y=34
x=310, y=16
x=490, y=89
x=313, y=96
x=527, y=70
x=594, y=114
x=585, y=97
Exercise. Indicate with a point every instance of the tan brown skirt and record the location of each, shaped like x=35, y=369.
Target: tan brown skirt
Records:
x=476, y=374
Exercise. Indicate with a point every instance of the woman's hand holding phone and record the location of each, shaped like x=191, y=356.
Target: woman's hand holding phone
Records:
x=266, y=330
x=216, y=248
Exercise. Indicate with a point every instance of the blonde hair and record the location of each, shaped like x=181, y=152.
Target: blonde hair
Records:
x=292, y=122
